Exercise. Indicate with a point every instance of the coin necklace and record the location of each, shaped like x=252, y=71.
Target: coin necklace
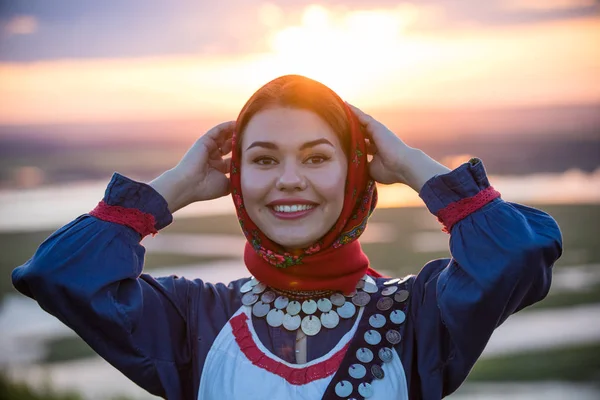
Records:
x=288, y=309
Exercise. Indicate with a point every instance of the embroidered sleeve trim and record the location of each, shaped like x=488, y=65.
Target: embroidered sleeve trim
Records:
x=458, y=210
x=295, y=376
x=143, y=223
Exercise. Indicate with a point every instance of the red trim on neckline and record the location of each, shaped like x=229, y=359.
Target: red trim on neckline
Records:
x=143, y=223
x=458, y=210
x=295, y=376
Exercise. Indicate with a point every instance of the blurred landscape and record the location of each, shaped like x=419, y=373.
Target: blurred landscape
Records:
x=92, y=88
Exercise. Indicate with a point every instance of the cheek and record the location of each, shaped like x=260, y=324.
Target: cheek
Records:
x=331, y=183
x=255, y=185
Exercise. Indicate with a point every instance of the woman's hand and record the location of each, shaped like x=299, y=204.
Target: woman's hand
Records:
x=394, y=161
x=201, y=173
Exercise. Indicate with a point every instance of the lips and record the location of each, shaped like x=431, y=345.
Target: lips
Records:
x=291, y=208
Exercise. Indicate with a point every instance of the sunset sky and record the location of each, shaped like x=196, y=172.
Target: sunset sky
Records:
x=89, y=61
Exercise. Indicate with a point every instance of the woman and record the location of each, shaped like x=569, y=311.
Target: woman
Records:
x=315, y=321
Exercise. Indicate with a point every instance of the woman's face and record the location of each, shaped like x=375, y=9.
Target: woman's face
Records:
x=293, y=175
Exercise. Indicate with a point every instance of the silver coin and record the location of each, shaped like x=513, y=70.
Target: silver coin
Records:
x=337, y=299
x=350, y=294
x=309, y=306
x=393, y=336
x=377, y=371
x=360, y=284
x=281, y=302
x=377, y=321
x=330, y=319
x=259, y=288
x=391, y=281
x=268, y=297
x=389, y=290
x=254, y=281
x=311, y=325
x=364, y=355
x=347, y=310
x=249, y=298
x=365, y=390
x=385, y=354
x=291, y=322
x=343, y=389
x=385, y=303
x=372, y=337
x=293, y=307
x=367, y=278
x=361, y=299
x=370, y=288
x=357, y=371
x=401, y=296
x=324, y=305
x=275, y=318
x=397, y=317
x=260, y=309
x=246, y=287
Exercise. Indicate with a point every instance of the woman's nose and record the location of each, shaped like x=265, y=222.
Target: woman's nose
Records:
x=291, y=179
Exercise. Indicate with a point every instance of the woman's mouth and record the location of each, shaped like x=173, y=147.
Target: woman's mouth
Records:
x=292, y=211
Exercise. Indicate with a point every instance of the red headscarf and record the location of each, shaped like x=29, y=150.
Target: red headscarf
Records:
x=336, y=261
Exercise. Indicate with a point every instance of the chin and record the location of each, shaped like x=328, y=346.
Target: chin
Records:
x=294, y=243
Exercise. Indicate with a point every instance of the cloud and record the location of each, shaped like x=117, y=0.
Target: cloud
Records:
x=21, y=25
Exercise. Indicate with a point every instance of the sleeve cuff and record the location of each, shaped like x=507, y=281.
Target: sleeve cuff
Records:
x=125, y=192
x=463, y=182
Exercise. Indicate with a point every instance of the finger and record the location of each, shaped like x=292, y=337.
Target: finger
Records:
x=227, y=146
x=219, y=165
x=364, y=118
x=221, y=132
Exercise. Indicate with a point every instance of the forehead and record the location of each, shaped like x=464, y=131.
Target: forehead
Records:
x=287, y=126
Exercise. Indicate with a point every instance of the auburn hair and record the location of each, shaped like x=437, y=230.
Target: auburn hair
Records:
x=297, y=91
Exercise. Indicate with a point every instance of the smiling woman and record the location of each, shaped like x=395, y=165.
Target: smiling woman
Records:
x=314, y=320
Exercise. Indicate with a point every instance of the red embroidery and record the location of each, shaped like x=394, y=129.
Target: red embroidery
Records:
x=142, y=222
x=295, y=376
x=456, y=211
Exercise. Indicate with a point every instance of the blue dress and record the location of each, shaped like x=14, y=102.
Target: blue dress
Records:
x=159, y=330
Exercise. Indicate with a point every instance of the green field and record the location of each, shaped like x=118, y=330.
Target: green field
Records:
x=579, y=224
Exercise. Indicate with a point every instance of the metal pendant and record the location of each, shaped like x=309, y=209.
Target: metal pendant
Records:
x=389, y=290
x=309, y=306
x=370, y=287
x=391, y=281
x=281, y=302
x=311, y=325
x=337, y=299
x=268, y=297
x=365, y=390
x=377, y=371
x=357, y=371
x=347, y=310
x=343, y=389
x=372, y=337
x=361, y=299
x=275, y=318
x=401, y=296
x=291, y=322
x=330, y=319
x=367, y=278
x=397, y=317
x=377, y=321
x=249, y=298
x=350, y=294
x=360, y=284
x=364, y=355
x=385, y=303
x=260, y=309
x=293, y=307
x=246, y=287
x=385, y=354
x=393, y=336
x=324, y=305
x=259, y=288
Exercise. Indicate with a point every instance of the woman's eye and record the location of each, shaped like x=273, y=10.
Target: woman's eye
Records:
x=316, y=159
x=264, y=161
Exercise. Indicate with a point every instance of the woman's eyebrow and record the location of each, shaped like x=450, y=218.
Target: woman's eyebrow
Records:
x=273, y=146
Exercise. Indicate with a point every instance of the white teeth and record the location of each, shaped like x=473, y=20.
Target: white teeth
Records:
x=293, y=208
